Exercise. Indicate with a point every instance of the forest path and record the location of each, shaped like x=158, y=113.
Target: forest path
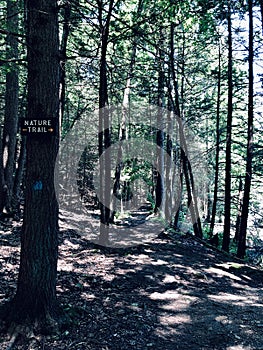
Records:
x=172, y=293
x=131, y=228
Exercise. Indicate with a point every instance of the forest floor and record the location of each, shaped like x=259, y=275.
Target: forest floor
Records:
x=172, y=293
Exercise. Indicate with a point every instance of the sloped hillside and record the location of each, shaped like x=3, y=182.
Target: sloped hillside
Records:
x=174, y=293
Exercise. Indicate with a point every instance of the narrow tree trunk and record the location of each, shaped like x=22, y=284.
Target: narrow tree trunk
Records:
x=104, y=128
x=11, y=105
x=2, y=177
x=213, y=215
x=227, y=222
x=169, y=175
x=241, y=251
x=170, y=139
x=63, y=53
x=239, y=209
x=159, y=186
x=123, y=132
x=187, y=169
x=17, y=191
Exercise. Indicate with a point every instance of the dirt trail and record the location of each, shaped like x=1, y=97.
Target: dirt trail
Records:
x=174, y=293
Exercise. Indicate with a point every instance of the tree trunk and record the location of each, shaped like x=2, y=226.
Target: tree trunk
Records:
x=239, y=209
x=187, y=169
x=11, y=105
x=63, y=52
x=123, y=132
x=104, y=128
x=241, y=251
x=168, y=173
x=227, y=222
x=159, y=186
x=171, y=197
x=213, y=215
x=2, y=177
x=35, y=299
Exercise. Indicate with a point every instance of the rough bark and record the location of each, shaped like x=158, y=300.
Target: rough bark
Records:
x=35, y=299
x=63, y=53
x=19, y=176
x=11, y=105
x=2, y=178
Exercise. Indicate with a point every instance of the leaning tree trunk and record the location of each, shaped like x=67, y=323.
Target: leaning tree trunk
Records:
x=187, y=169
x=245, y=207
x=35, y=299
x=186, y=165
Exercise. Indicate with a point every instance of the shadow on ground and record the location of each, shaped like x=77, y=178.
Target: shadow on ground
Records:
x=171, y=294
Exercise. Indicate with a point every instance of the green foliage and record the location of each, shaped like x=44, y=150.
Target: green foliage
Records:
x=199, y=37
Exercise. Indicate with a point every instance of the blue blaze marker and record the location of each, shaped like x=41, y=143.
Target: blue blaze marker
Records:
x=38, y=186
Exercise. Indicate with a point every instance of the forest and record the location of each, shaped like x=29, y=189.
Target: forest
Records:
x=131, y=174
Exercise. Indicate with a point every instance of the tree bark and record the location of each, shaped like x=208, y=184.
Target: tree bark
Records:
x=159, y=186
x=241, y=251
x=2, y=177
x=123, y=132
x=176, y=158
x=213, y=214
x=104, y=127
x=63, y=52
x=11, y=105
x=187, y=169
x=35, y=299
x=227, y=221
x=19, y=175
x=239, y=209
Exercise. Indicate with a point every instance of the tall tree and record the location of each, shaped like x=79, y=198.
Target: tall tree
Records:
x=213, y=215
x=123, y=130
x=63, y=52
x=104, y=124
x=239, y=209
x=186, y=164
x=11, y=104
x=35, y=299
x=227, y=222
x=159, y=189
x=245, y=205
